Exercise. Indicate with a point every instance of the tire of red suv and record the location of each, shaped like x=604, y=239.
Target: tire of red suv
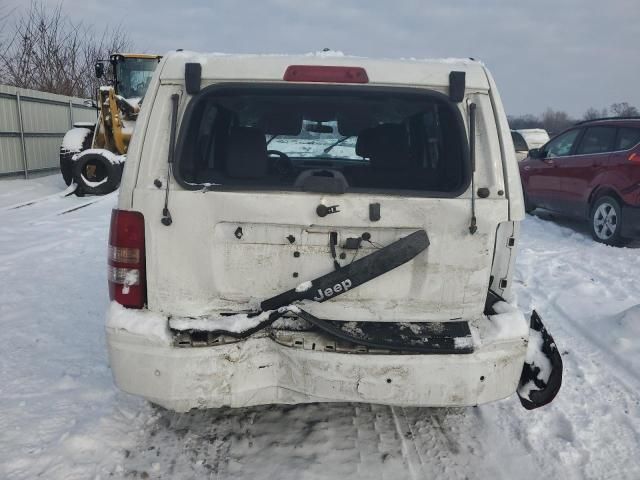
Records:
x=606, y=221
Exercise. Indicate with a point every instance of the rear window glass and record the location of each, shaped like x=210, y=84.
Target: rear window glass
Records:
x=627, y=138
x=322, y=138
x=518, y=142
x=597, y=140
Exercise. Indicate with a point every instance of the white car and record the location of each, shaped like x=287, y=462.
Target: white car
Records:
x=526, y=139
x=321, y=229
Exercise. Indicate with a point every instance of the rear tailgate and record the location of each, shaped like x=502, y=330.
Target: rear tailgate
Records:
x=225, y=252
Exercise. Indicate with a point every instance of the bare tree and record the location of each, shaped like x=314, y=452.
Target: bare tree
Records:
x=593, y=113
x=4, y=13
x=623, y=109
x=554, y=121
x=524, y=121
x=46, y=51
x=114, y=40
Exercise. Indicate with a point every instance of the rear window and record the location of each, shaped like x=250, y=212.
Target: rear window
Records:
x=518, y=142
x=597, y=140
x=628, y=137
x=330, y=139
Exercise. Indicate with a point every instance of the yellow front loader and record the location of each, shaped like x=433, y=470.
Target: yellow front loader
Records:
x=92, y=155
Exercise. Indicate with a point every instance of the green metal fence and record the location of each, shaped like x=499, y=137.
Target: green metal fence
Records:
x=32, y=125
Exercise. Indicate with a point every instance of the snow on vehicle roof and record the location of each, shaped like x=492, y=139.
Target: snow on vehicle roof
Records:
x=271, y=67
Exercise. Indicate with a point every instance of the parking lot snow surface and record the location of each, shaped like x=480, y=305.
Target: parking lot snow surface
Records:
x=62, y=418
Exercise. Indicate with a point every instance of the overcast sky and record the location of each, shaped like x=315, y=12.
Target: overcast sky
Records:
x=564, y=54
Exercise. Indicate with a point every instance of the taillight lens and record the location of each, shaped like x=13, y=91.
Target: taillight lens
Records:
x=126, y=273
x=326, y=74
x=634, y=157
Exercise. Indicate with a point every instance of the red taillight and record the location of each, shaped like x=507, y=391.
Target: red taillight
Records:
x=326, y=74
x=126, y=271
x=634, y=157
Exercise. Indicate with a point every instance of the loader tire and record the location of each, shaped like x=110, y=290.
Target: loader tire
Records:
x=66, y=157
x=96, y=175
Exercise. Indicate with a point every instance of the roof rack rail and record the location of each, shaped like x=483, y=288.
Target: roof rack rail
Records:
x=635, y=117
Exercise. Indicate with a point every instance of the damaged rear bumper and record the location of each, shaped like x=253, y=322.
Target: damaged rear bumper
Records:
x=259, y=370
x=542, y=373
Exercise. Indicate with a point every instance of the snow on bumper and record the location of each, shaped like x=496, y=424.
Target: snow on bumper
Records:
x=261, y=371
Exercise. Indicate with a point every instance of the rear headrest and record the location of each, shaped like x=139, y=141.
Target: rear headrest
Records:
x=352, y=123
x=387, y=145
x=246, y=153
x=366, y=142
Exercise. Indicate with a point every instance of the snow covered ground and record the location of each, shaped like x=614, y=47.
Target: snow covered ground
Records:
x=62, y=418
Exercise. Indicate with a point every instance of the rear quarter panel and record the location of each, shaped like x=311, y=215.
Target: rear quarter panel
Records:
x=149, y=109
x=509, y=162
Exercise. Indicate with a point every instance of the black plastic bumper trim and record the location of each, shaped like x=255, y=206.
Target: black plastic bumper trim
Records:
x=419, y=337
x=548, y=390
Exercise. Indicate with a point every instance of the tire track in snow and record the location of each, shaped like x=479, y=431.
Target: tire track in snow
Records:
x=74, y=208
x=410, y=450
x=553, y=305
x=70, y=189
x=33, y=245
x=632, y=380
x=350, y=441
x=15, y=219
x=459, y=443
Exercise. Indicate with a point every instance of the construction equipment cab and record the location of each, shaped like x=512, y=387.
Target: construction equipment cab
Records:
x=92, y=154
x=321, y=228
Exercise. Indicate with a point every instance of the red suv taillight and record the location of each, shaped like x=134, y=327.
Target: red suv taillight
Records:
x=634, y=157
x=127, y=277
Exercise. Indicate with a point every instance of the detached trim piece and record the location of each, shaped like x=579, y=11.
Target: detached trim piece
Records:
x=547, y=390
x=356, y=273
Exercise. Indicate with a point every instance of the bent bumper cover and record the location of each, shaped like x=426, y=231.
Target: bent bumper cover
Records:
x=259, y=371
x=542, y=373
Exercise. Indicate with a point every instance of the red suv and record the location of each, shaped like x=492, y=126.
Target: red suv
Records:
x=591, y=171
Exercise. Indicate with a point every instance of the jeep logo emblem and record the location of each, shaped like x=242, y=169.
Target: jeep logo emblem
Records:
x=331, y=291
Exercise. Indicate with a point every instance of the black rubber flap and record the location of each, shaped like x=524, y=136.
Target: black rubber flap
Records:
x=457, y=86
x=424, y=337
x=356, y=273
x=192, y=77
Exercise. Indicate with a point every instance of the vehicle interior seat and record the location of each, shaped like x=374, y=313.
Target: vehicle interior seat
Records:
x=387, y=148
x=239, y=157
x=246, y=153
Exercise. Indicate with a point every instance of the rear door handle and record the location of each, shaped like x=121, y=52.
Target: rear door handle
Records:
x=550, y=162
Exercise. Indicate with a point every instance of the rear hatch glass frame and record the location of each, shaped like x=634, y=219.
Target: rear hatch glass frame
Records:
x=236, y=88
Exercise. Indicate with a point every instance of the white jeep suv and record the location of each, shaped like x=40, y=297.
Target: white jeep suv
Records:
x=303, y=229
